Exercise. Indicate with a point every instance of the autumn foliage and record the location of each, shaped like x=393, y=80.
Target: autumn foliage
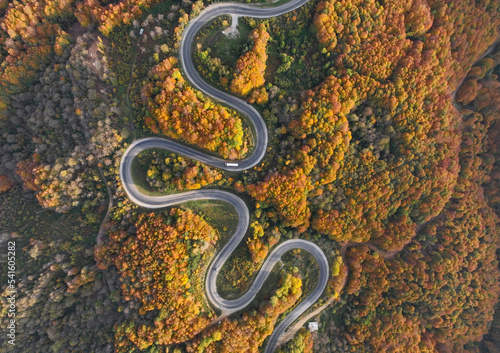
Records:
x=391, y=155
x=250, y=68
x=377, y=41
x=56, y=187
x=26, y=170
x=246, y=334
x=111, y=15
x=30, y=36
x=179, y=111
x=440, y=290
x=5, y=183
x=301, y=343
x=381, y=198
x=160, y=267
x=391, y=160
x=177, y=173
x=288, y=193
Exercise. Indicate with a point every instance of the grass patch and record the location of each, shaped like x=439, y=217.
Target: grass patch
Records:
x=238, y=265
x=269, y=287
x=227, y=49
x=272, y=64
x=218, y=214
x=307, y=267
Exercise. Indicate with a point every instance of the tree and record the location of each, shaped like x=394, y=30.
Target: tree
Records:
x=250, y=67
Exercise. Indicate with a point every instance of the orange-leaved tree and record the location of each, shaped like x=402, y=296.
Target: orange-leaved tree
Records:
x=250, y=68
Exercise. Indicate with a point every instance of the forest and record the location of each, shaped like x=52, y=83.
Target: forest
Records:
x=384, y=126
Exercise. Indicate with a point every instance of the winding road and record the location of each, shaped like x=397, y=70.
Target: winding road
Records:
x=260, y=131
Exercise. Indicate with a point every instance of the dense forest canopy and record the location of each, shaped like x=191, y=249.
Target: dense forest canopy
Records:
x=384, y=126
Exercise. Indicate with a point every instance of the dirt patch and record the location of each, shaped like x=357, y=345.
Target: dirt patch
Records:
x=95, y=57
x=273, y=63
x=232, y=31
x=95, y=62
x=77, y=30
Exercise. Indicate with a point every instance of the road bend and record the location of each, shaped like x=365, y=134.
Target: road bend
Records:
x=260, y=131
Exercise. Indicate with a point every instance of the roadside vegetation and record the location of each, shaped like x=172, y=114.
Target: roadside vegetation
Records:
x=383, y=150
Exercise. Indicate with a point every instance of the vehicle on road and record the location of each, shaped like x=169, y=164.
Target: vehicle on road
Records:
x=226, y=306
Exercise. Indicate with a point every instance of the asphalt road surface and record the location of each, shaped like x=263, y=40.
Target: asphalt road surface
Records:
x=226, y=306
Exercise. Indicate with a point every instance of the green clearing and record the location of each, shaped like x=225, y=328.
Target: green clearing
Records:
x=269, y=287
x=238, y=265
x=218, y=214
x=227, y=49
